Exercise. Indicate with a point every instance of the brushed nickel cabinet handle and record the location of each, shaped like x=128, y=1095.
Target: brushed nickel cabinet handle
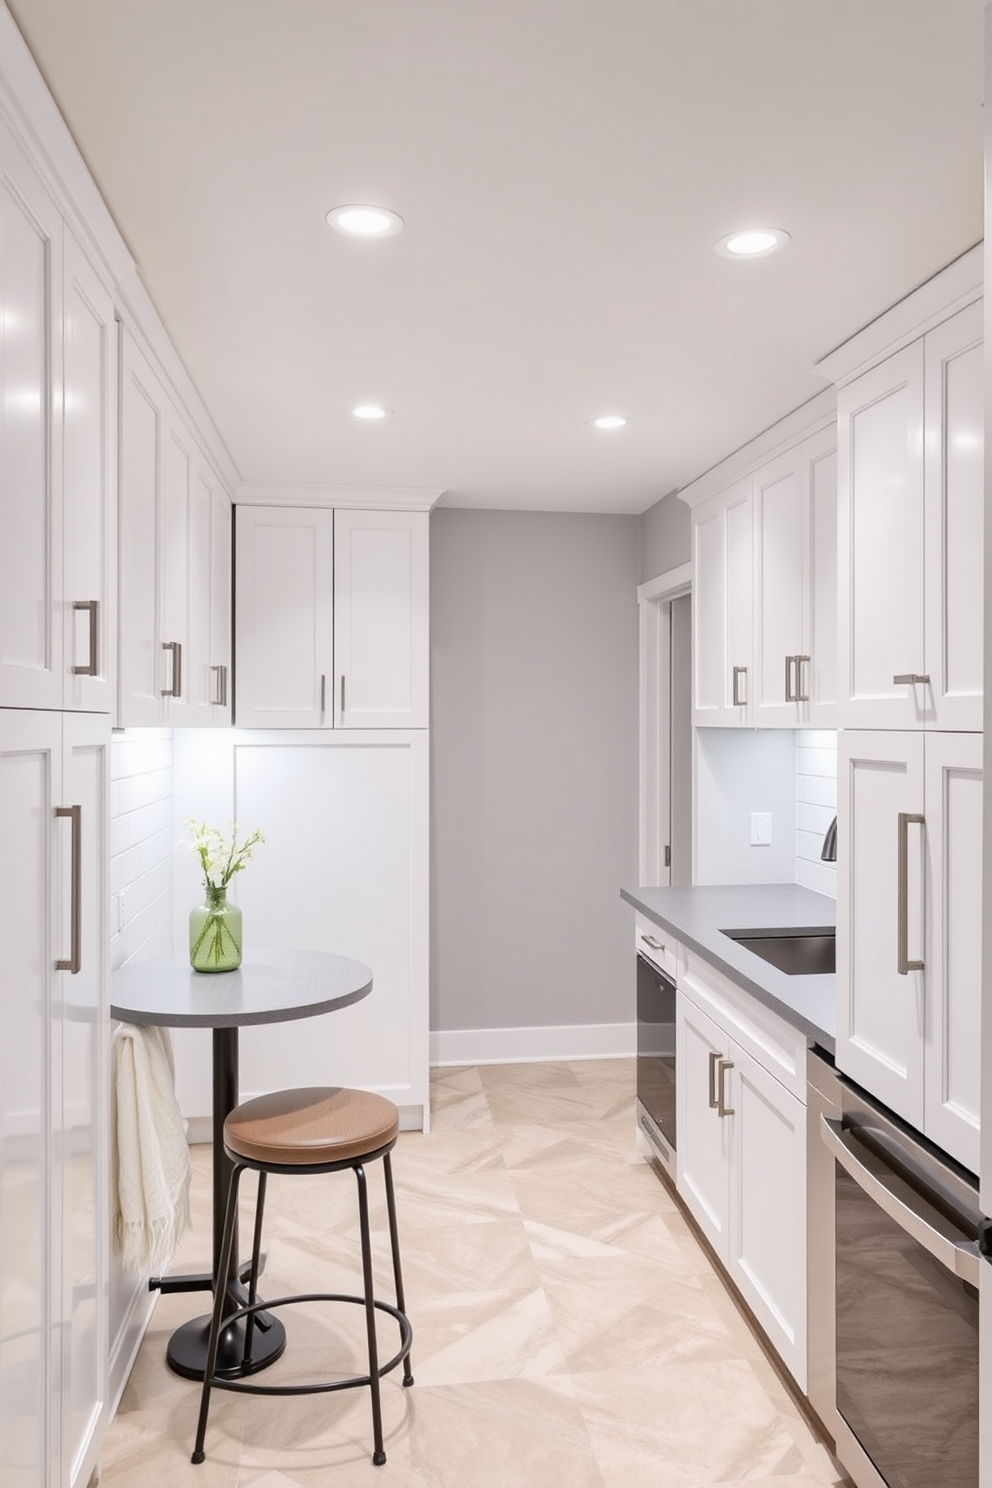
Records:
x=722, y=1109
x=323, y=694
x=656, y=945
x=802, y=679
x=92, y=667
x=220, y=691
x=908, y=679
x=714, y=1061
x=903, y=964
x=342, y=692
x=790, y=691
x=740, y=701
x=176, y=690
x=74, y=963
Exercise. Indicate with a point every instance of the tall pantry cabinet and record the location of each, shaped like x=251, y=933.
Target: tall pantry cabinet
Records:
x=910, y=538
x=57, y=572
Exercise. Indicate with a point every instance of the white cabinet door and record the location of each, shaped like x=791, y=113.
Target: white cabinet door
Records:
x=704, y=1137
x=953, y=808
x=818, y=674
x=779, y=630
x=284, y=596
x=880, y=546
x=53, y=1241
x=31, y=629
x=954, y=550
x=177, y=578
x=143, y=419
x=767, y=1241
x=381, y=619
x=81, y=1093
x=221, y=566
x=30, y=770
x=89, y=487
x=708, y=606
x=722, y=608
x=881, y=1003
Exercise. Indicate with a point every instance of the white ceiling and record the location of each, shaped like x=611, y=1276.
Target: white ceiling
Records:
x=564, y=168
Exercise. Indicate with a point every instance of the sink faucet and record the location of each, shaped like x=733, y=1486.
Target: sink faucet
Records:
x=828, y=853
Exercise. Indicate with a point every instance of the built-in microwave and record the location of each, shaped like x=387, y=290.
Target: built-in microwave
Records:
x=656, y=1062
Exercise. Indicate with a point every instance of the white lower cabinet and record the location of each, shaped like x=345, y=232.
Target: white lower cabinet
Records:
x=909, y=928
x=53, y=1086
x=742, y=1155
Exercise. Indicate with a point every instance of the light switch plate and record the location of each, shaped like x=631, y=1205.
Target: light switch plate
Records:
x=761, y=829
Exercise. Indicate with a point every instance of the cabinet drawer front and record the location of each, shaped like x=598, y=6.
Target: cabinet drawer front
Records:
x=775, y=1044
x=657, y=946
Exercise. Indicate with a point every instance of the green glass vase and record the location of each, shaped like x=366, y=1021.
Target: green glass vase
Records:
x=215, y=933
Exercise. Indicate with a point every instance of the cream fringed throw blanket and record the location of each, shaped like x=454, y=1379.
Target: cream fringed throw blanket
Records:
x=151, y=1187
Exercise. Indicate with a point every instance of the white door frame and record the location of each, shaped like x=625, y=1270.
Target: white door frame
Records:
x=654, y=603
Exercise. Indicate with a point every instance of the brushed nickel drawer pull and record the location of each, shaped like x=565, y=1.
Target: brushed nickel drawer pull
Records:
x=74, y=963
x=722, y=1108
x=176, y=690
x=714, y=1061
x=903, y=964
x=92, y=667
x=908, y=679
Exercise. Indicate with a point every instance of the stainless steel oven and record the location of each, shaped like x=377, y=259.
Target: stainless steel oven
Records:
x=900, y=1273
x=656, y=1061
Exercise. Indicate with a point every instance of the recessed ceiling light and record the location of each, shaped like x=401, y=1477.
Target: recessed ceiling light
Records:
x=370, y=412
x=609, y=421
x=752, y=242
x=365, y=222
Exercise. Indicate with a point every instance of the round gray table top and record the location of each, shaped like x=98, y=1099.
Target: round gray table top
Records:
x=268, y=987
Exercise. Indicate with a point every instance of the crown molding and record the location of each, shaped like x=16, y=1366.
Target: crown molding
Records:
x=940, y=297
x=372, y=498
x=809, y=418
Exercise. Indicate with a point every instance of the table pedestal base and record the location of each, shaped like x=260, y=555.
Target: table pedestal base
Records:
x=187, y=1350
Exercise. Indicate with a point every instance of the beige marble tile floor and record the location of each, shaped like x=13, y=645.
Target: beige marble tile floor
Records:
x=568, y=1327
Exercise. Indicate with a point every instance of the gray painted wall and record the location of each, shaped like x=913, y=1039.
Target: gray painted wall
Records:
x=666, y=539
x=534, y=767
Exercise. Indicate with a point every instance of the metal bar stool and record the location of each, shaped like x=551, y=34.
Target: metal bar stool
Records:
x=317, y=1130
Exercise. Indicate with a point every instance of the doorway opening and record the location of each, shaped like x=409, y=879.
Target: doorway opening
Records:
x=666, y=787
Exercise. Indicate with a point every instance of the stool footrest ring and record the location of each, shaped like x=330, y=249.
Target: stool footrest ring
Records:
x=242, y=1386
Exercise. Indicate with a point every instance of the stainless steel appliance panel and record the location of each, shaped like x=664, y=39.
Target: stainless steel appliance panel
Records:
x=656, y=1061
x=906, y=1300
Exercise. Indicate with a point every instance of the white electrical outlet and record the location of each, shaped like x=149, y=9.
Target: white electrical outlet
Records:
x=761, y=829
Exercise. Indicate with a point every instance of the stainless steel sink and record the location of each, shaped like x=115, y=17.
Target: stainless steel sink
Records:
x=810, y=953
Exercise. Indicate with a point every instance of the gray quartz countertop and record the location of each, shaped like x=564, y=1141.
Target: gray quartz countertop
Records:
x=697, y=917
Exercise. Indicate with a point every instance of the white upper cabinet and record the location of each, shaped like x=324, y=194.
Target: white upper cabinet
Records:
x=59, y=455
x=174, y=561
x=722, y=558
x=284, y=617
x=331, y=618
x=909, y=927
x=381, y=619
x=30, y=502
x=910, y=535
x=89, y=437
x=764, y=594
x=953, y=517
x=779, y=657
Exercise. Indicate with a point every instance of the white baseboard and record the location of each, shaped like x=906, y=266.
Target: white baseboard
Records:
x=529, y=1045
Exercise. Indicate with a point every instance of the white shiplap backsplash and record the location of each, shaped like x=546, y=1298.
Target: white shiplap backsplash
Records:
x=816, y=807
x=142, y=845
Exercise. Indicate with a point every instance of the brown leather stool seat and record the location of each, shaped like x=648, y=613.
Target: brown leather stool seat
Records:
x=321, y=1129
